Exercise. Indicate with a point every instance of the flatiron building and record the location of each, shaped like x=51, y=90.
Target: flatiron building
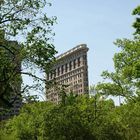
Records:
x=71, y=71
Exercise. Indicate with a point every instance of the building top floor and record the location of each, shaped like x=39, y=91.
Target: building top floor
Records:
x=81, y=47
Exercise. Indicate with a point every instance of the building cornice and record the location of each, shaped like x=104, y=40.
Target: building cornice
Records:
x=73, y=50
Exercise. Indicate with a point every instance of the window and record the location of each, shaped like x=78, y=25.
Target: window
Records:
x=66, y=67
x=62, y=69
x=54, y=73
x=79, y=62
x=51, y=75
x=85, y=57
x=74, y=64
x=70, y=66
x=58, y=71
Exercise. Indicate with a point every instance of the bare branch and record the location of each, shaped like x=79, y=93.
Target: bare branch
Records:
x=13, y=19
x=34, y=76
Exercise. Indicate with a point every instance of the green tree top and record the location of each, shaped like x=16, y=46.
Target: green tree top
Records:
x=125, y=80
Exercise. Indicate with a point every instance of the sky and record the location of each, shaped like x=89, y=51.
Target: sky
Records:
x=97, y=23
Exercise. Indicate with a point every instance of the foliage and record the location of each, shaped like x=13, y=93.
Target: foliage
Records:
x=125, y=80
x=75, y=120
x=25, y=22
x=84, y=118
x=72, y=121
x=136, y=24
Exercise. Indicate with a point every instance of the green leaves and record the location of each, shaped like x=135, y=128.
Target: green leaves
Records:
x=125, y=79
x=77, y=120
x=136, y=24
x=26, y=22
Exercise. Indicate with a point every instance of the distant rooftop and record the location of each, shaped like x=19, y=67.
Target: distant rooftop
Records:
x=78, y=47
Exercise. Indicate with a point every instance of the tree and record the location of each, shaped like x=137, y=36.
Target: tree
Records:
x=136, y=24
x=125, y=80
x=74, y=120
x=25, y=22
x=129, y=115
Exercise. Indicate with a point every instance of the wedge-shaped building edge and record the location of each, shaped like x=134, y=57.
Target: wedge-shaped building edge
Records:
x=70, y=72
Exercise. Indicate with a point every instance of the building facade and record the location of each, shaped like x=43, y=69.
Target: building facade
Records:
x=71, y=70
x=10, y=81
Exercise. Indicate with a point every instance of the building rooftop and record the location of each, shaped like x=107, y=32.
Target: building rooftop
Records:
x=78, y=47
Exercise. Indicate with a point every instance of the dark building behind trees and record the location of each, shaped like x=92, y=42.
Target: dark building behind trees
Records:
x=10, y=78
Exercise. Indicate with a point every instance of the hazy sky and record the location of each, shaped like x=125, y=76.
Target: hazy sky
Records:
x=97, y=23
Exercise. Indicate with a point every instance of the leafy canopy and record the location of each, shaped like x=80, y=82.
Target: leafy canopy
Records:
x=125, y=80
x=27, y=23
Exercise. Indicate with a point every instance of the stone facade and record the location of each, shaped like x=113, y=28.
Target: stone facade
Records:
x=71, y=70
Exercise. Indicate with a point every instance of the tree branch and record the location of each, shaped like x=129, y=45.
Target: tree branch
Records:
x=32, y=75
x=7, y=49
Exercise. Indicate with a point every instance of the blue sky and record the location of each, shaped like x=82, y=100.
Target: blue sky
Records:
x=97, y=23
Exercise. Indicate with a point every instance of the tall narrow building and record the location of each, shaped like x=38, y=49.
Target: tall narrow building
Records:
x=71, y=70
